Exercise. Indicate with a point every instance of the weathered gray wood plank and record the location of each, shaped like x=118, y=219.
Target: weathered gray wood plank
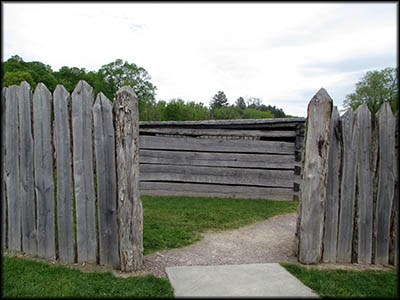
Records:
x=218, y=159
x=3, y=168
x=279, y=121
x=348, y=186
x=12, y=169
x=44, y=171
x=82, y=100
x=313, y=185
x=29, y=231
x=271, y=178
x=215, y=145
x=386, y=124
x=130, y=210
x=104, y=141
x=215, y=190
x=65, y=192
x=219, y=132
x=332, y=190
x=364, y=183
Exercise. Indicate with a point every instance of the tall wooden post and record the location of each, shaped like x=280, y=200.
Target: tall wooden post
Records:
x=130, y=211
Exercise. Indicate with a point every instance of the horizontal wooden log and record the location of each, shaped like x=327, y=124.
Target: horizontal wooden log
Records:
x=218, y=132
x=214, y=190
x=271, y=178
x=258, y=161
x=215, y=145
x=216, y=123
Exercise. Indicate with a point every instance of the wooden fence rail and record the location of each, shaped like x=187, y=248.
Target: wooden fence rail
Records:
x=348, y=203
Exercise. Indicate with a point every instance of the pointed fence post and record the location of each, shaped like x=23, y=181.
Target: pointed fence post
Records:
x=82, y=101
x=44, y=171
x=315, y=172
x=130, y=211
x=386, y=182
x=104, y=142
x=65, y=191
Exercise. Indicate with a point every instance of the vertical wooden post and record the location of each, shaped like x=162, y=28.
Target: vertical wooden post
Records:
x=26, y=194
x=82, y=101
x=44, y=171
x=313, y=185
x=65, y=191
x=130, y=211
x=386, y=182
x=104, y=141
x=364, y=182
x=12, y=169
x=348, y=189
x=3, y=177
x=332, y=190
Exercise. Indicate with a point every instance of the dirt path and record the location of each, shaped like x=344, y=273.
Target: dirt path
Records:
x=263, y=242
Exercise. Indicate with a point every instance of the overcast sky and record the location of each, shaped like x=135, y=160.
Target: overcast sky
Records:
x=280, y=52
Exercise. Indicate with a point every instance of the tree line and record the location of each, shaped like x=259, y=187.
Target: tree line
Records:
x=374, y=88
x=110, y=77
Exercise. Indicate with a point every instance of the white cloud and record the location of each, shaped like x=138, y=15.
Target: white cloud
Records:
x=193, y=50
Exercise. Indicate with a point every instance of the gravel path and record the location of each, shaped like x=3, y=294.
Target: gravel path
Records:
x=263, y=242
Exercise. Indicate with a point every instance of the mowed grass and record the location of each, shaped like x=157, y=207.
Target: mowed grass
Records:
x=347, y=283
x=24, y=278
x=174, y=222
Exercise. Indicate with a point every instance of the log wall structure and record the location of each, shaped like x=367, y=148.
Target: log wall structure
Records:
x=225, y=158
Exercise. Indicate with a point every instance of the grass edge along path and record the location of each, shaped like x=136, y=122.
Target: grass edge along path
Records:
x=338, y=283
x=178, y=221
x=26, y=278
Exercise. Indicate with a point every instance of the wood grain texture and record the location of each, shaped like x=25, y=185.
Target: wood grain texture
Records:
x=313, y=185
x=214, y=190
x=44, y=171
x=258, y=161
x=332, y=190
x=82, y=101
x=215, y=145
x=65, y=191
x=26, y=182
x=12, y=169
x=195, y=132
x=348, y=189
x=104, y=141
x=3, y=168
x=130, y=210
x=270, y=178
x=386, y=181
x=364, y=183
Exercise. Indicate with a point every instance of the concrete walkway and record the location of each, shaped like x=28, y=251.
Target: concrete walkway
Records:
x=248, y=280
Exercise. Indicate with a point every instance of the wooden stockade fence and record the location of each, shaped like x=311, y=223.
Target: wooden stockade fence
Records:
x=228, y=158
x=349, y=192
x=59, y=196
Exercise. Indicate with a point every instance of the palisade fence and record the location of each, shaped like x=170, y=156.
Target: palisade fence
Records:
x=348, y=208
x=70, y=187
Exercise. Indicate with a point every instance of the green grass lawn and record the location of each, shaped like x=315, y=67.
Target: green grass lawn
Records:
x=347, y=284
x=174, y=222
x=24, y=278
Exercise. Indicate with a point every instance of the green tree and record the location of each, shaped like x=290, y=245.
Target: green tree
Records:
x=240, y=103
x=375, y=88
x=219, y=100
x=120, y=73
x=17, y=77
